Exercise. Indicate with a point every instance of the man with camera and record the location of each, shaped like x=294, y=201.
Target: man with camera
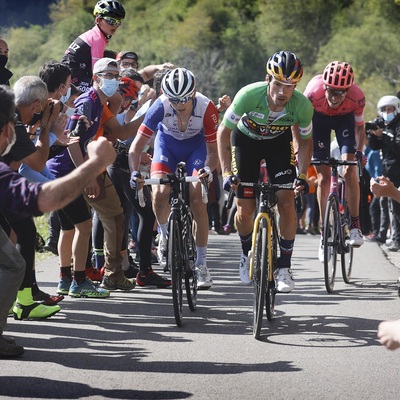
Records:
x=384, y=134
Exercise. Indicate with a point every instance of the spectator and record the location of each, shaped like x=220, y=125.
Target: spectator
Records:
x=5, y=74
x=32, y=199
x=89, y=47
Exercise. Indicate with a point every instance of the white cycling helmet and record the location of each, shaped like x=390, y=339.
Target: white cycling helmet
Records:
x=388, y=101
x=178, y=83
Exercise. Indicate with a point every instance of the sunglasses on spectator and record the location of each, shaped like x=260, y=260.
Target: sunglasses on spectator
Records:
x=109, y=75
x=112, y=21
x=127, y=64
x=182, y=100
x=337, y=93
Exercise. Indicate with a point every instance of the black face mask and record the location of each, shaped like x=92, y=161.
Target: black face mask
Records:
x=3, y=60
x=36, y=118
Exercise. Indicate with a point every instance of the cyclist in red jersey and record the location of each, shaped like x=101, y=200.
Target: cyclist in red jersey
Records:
x=338, y=105
x=89, y=47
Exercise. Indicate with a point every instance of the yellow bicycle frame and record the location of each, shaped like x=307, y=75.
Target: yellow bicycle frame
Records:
x=269, y=244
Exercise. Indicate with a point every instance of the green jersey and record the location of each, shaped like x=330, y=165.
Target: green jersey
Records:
x=250, y=112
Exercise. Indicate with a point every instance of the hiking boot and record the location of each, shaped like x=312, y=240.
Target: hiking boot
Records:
x=47, y=299
x=64, y=285
x=204, y=280
x=356, y=238
x=87, y=289
x=152, y=279
x=123, y=284
x=284, y=280
x=34, y=311
x=9, y=349
x=244, y=269
x=94, y=274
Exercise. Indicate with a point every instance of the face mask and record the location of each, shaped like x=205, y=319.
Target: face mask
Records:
x=65, y=98
x=36, y=117
x=109, y=86
x=3, y=60
x=11, y=144
x=388, y=117
x=70, y=111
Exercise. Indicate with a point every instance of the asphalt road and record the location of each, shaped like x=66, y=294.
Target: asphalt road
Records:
x=319, y=346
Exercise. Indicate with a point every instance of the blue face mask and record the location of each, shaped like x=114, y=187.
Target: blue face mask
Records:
x=109, y=86
x=388, y=117
x=65, y=98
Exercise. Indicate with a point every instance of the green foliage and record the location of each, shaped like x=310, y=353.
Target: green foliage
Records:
x=227, y=42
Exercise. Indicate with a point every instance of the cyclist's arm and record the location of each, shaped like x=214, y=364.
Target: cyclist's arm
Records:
x=360, y=136
x=135, y=151
x=224, y=148
x=304, y=155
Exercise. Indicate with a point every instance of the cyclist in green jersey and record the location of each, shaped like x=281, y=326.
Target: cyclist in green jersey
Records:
x=257, y=127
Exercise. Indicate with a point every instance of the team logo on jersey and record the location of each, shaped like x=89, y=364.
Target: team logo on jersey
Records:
x=281, y=173
x=198, y=162
x=257, y=115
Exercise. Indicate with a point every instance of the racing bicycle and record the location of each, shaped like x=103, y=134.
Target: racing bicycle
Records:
x=181, y=247
x=336, y=231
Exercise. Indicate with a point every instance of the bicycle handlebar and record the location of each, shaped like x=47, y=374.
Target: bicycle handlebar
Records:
x=333, y=162
x=168, y=180
x=271, y=186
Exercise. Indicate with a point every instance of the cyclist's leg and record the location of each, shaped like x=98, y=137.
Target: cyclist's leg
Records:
x=321, y=138
x=246, y=157
x=281, y=169
x=345, y=134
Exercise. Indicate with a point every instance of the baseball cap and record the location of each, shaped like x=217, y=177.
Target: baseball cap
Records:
x=105, y=64
x=127, y=54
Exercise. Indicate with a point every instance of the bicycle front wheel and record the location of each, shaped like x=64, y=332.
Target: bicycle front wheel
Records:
x=347, y=250
x=271, y=265
x=259, y=276
x=174, y=262
x=330, y=241
x=190, y=274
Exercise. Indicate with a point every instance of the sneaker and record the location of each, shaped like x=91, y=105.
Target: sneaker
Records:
x=34, y=311
x=161, y=251
x=87, y=289
x=51, y=246
x=321, y=250
x=132, y=271
x=284, y=280
x=244, y=269
x=47, y=299
x=152, y=279
x=393, y=247
x=123, y=284
x=64, y=285
x=94, y=274
x=204, y=280
x=9, y=349
x=356, y=238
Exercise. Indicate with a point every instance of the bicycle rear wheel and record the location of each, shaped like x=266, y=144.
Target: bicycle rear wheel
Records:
x=174, y=262
x=190, y=274
x=259, y=276
x=270, y=267
x=347, y=250
x=331, y=237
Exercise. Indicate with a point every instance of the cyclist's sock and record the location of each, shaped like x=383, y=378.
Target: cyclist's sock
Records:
x=201, y=256
x=246, y=243
x=355, y=222
x=286, y=247
x=164, y=230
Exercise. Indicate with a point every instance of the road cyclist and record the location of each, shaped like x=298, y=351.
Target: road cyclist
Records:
x=256, y=127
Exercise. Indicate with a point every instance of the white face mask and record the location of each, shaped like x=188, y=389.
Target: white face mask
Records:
x=70, y=111
x=388, y=117
x=65, y=98
x=109, y=86
x=10, y=144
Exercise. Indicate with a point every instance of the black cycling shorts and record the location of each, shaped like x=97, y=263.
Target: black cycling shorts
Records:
x=248, y=155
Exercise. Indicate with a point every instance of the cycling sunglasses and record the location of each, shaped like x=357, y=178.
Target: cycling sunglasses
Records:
x=112, y=21
x=182, y=100
x=337, y=93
